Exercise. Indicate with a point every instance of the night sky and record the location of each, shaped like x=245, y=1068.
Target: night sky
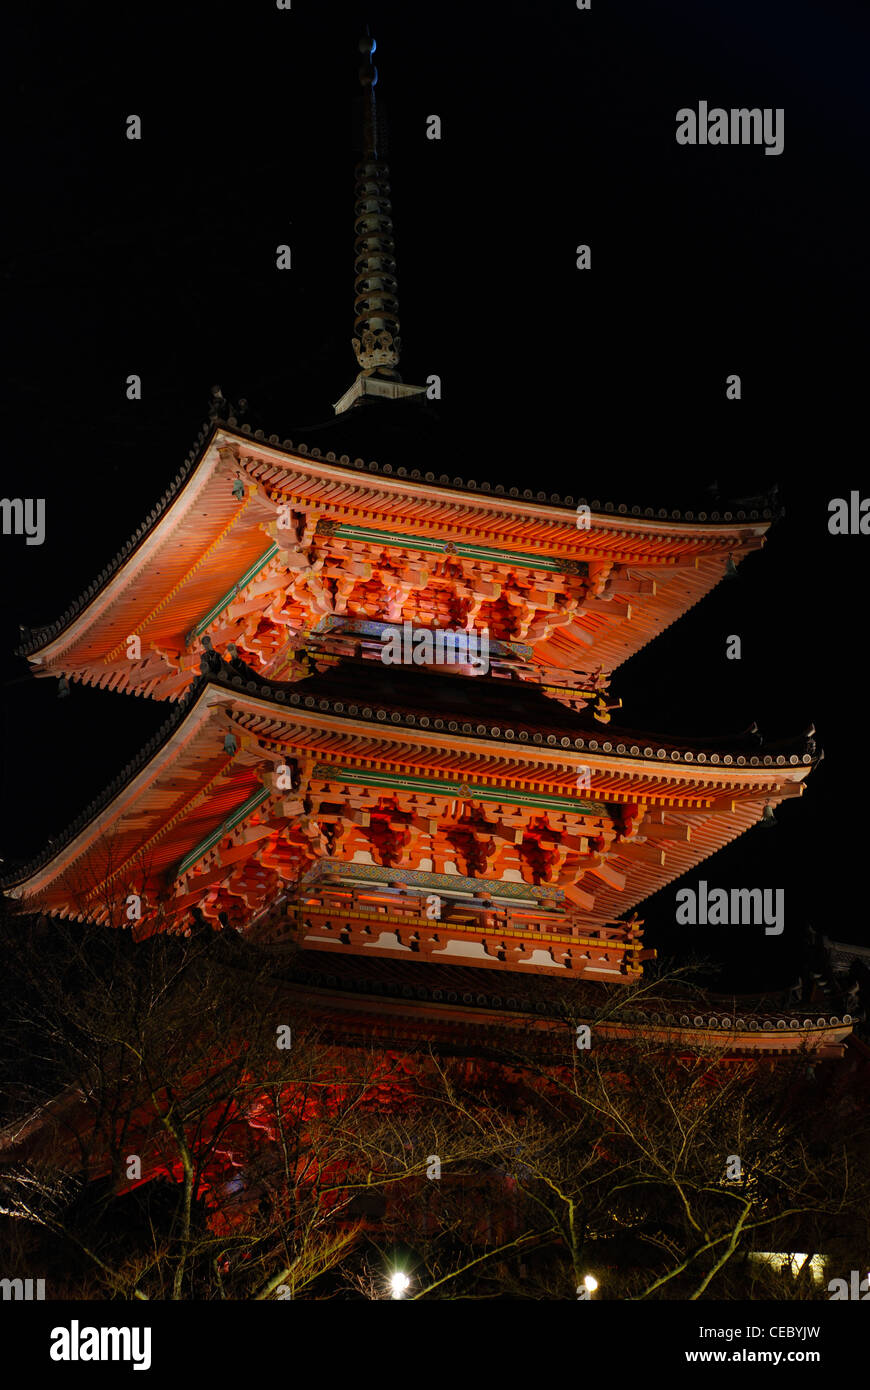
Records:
x=158, y=257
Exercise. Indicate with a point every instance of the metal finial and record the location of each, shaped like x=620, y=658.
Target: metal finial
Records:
x=376, y=341
x=376, y=302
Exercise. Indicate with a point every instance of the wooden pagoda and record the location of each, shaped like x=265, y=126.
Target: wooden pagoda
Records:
x=425, y=838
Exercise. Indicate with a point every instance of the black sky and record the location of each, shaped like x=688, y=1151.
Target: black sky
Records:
x=158, y=258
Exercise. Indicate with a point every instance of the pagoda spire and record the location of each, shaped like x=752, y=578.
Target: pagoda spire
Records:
x=376, y=343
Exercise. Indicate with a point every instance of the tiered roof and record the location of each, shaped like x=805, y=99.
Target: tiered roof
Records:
x=362, y=542
x=381, y=775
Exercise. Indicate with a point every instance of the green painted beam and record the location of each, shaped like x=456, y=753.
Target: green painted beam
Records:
x=440, y=547
x=232, y=593
x=437, y=787
x=390, y=782
x=205, y=845
x=389, y=538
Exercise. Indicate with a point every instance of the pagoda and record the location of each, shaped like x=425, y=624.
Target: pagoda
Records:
x=425, y=837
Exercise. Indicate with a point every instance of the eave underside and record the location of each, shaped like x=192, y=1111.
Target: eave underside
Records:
x=205, y=822
x=259, y=548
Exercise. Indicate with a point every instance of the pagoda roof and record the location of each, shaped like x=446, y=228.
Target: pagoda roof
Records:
x=496, y=707
x=434, y=999
x=186, y=798
x=205, y=548
x=457, y=1009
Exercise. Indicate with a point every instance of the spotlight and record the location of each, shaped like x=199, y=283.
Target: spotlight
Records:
x=399, y=1283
